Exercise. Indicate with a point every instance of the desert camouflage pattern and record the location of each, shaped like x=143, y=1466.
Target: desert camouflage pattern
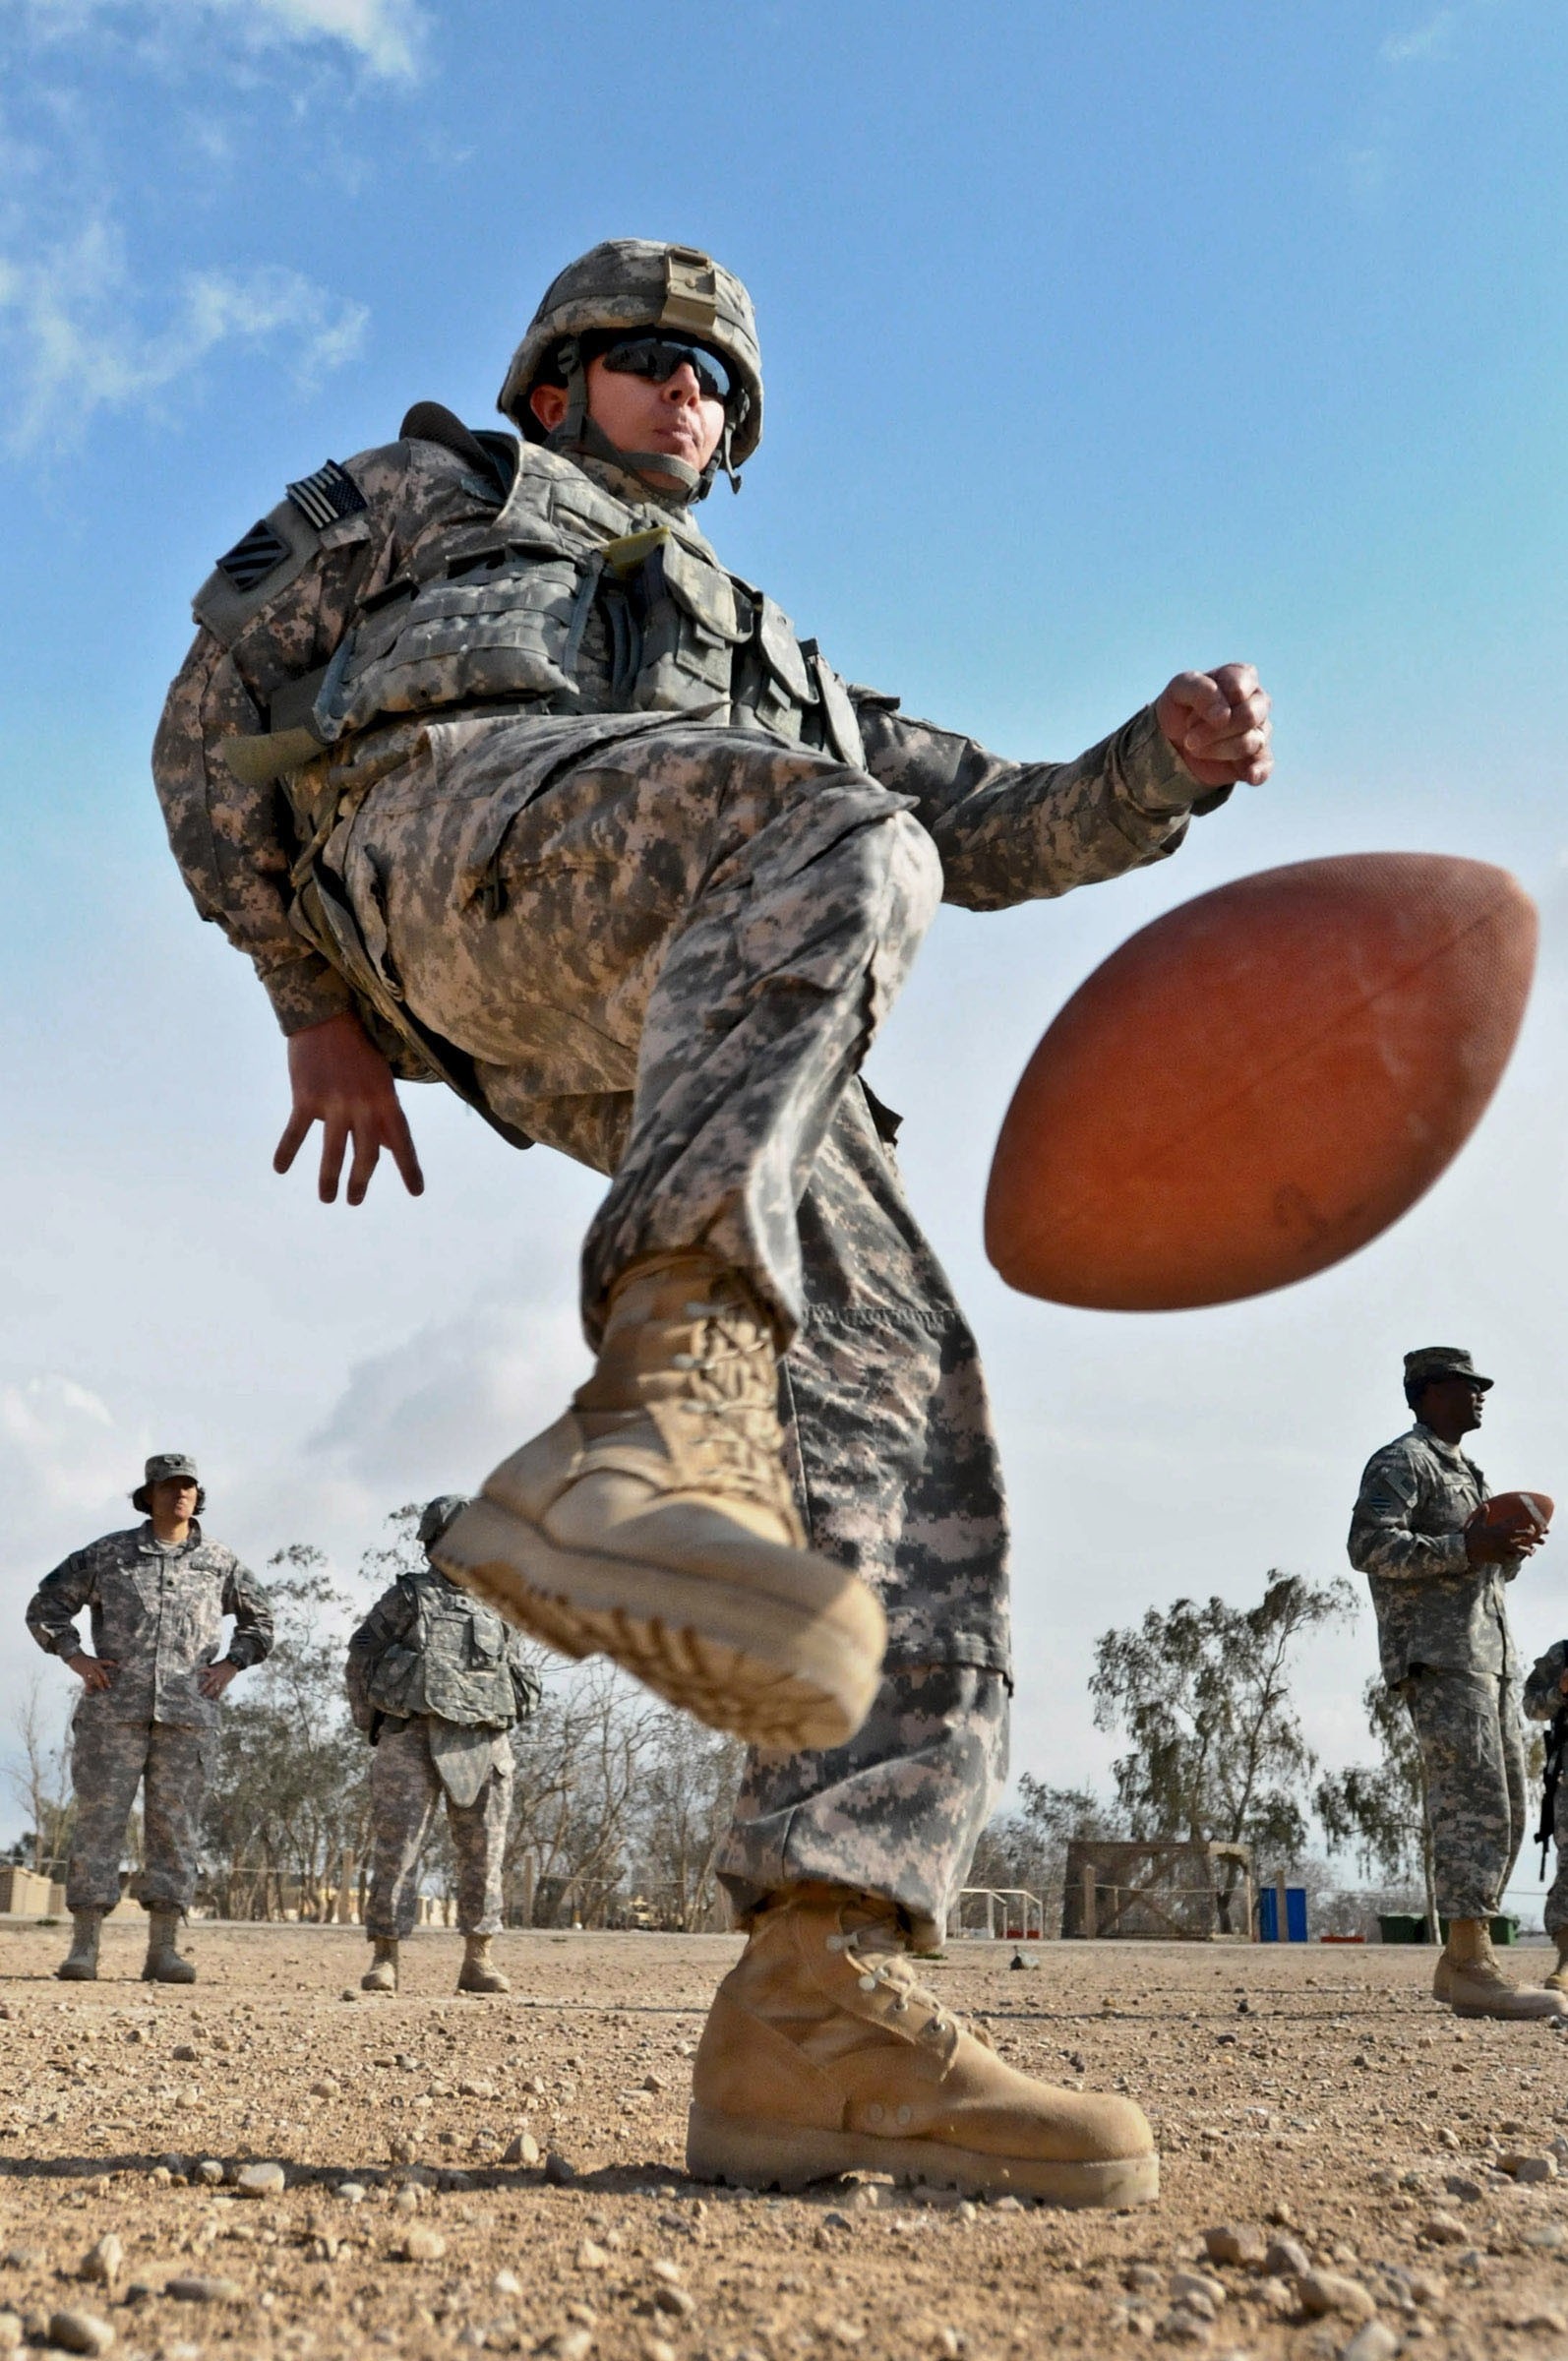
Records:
x=1472, y=1754
x=1406, y=1536
x=1543, y=1698
x=665, y=944
x=156, y=1612
x=417, y=1764
x=109, y=1758
x=426, y=1647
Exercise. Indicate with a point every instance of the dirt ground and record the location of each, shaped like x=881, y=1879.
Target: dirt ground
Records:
x=1312, y=2094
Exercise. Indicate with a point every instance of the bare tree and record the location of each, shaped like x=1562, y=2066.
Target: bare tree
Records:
x=690, y=1780
x=40, y=1781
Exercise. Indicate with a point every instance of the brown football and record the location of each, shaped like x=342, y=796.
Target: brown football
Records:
x=1512, y=1512
x=1260, y=1082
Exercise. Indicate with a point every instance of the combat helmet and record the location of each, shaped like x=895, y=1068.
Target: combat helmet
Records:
x=640, y=283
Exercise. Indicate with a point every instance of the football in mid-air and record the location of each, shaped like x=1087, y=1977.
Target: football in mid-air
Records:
x=1522, y=1513
x=1260, y=1082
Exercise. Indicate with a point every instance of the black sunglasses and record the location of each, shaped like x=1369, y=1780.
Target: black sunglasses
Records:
x=657, y=358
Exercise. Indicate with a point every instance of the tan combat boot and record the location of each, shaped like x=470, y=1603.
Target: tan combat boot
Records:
x=1470, y=1981
x=479, y=1973
x=1557, y=1981
x=81, y=1962
x=382, y=1974
x=163, y=1964
x=654, y=1523
x=824, y=2055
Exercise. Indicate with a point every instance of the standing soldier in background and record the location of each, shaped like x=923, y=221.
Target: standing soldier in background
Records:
x=1546, y=1700
x=1437, y=1591
x=437, y=1684
x=156, y=1593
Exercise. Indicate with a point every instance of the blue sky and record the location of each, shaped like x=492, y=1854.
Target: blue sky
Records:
x=1098, y=342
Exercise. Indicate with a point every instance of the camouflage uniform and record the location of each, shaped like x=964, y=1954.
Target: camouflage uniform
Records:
x=1543, y=1698
x=1445, y=1648
x=652, y=912
x=437, y=1684
x=155, y=1611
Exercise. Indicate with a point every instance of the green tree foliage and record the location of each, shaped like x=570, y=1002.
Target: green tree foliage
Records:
x=1201, y=1693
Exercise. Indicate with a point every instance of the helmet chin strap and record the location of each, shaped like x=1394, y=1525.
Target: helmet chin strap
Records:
x=579, y=433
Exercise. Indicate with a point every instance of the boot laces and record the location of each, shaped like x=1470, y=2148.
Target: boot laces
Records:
x=730, y=1386
x=882, y=1967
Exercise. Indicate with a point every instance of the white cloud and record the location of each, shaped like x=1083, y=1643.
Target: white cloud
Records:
x=387, y=36
x=69, y=325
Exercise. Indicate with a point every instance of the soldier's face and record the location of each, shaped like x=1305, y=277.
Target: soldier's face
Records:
x=676, y=416
x=174, y=1500
x=1454, y=1405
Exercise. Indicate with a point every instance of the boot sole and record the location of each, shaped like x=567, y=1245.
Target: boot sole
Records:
x=161, y=1975
x=1476, y=2008
x=788, y=2157
x=778, y=1672
x=76, y=1975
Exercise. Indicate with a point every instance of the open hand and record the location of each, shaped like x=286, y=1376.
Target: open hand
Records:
x=1219, y=724
x=213, y=1679
x=341, y=1081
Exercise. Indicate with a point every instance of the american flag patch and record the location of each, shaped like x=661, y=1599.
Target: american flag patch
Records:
x=252, y=560
x=328, y=495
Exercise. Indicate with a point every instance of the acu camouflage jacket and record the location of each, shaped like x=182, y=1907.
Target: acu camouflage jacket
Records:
x=1433, y=1605
x=426, y=1647
x=156, y=1612
x=411, y=582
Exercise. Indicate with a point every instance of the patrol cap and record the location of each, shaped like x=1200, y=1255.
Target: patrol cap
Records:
x=163, y=1468
x=438, y=1514
x=1440, y=1360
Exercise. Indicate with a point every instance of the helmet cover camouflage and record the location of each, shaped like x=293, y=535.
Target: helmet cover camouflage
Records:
x=644, y=283
x=438, y=1514
x=165, y=1467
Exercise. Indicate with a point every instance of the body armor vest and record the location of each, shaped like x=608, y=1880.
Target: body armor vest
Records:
x=453, y=1663
x=578, y=602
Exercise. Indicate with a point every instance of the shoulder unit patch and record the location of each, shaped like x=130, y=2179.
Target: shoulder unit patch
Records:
x=327, y=496
x=252, y=560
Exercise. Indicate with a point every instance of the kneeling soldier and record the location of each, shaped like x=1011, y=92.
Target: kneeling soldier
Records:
x=435, y=1681
x=158, y=1594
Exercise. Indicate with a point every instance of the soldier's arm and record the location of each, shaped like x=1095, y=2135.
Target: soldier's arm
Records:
x=52, y=1611
x=385, y=1626
x=1543, y=1687
x=1382, y=1537
x=248, y=1602
x=1015, y=832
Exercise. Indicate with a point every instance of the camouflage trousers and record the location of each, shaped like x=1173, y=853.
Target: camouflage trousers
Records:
x=1472, y=1754
x=406, y=1789
x=109, y=1760
x=669, y=960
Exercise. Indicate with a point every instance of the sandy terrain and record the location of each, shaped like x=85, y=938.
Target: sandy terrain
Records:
x=1309, y=2094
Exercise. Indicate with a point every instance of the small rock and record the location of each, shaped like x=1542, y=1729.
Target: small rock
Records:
x=176, y=2164
x=1373, y=2341
x=160, y=2176
x=570, y=2344
x=352, y=2192
x=657, y=2349
x=475, y=2087
x=209, y=2172
x=10, y=2332
x=534, y=2085
x=1141, y=2278
x=1278, y=2295
x=1195, y=2287
x=402, y=2147
x=1544, y=2234
x=423, y=2246
x=185, y=2052
x=1195, y=2299
x=1286, y=2259
x=654, y=2082
x=1183, y=2326
x=590, y=2256
x=1460, y=2185
x=1245, y=2246
x=557, y=2172
x=673, y=2300
x=522, y=2150
x=261, y=2180
x=407, y=2199
x=1448, y=2139
x=663, y=2269
x=505, y=2282
x=327, y=2087
x=1280, y=2216
x=1443, y=2229
x=22, y=2258
x=1528, y=2168
x=194, y=2287
x=80, y=2331
x=1324, y=2292
x=103, y=2262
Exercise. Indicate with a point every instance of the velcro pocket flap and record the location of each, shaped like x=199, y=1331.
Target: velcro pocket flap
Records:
x=781, y=652
x=705, y=591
